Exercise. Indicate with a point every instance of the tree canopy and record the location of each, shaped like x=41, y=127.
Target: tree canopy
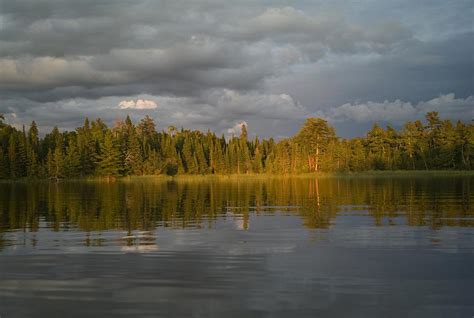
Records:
x=128, y=149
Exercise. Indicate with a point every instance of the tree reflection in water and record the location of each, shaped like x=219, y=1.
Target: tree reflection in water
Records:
x=148, y=204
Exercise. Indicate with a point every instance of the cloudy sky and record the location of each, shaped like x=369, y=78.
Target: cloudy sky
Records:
x=212, y=64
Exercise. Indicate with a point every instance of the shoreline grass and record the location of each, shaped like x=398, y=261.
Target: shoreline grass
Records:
x=185, y=177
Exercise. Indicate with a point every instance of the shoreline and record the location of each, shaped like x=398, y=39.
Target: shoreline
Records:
x=361, y=174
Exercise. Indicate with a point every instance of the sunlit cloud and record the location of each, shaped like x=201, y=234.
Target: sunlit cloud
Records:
x=237, y=128
x=399, y=111
x=138, y=104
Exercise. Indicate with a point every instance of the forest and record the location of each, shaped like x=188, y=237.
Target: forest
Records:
x=126, y=149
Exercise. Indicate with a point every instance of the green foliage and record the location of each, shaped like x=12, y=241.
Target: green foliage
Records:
x=109, y=157
x=126, y=149
x=73, y=160
x=314, y=138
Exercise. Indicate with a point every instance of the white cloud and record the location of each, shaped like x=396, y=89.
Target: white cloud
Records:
x=275, y=106
x=138, y=104
x=447, y=105
x=237, y=128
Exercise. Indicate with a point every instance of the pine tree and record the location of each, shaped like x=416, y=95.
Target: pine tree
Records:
x=464, y=142
x=50, y=165
x=315, y=136
x=217, y=158
x=32, y=165
x=33, y=138
x=377, y=147
x=258, y=158
x=87, y=149
x=189, y=158
x=12, y=157
x=22, y=156
x=108, y=160
x=152, y=164
x=200, y=157
x=58, y=158
x=72, y=160
x=244, y=162
x=409, y=144
x=133, y=156
x=358, y=157
x=3, y=164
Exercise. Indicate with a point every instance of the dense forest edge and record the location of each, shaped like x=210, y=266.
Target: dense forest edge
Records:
x=128, y=149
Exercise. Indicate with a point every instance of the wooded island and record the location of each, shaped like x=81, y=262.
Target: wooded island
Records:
x=128, y=149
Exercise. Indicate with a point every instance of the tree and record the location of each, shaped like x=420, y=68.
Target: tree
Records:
x=3, y=165
x=314, y=137
x=32, y=147
x=12, y=157
x=189, y=159
x=72, y=160
x=87, y=148
x=409, y=134
x=147, y=133
x=258, y=158
x=133, y=156
x=108, y=160
x=243, y=157
x=33, y=138
x=464, y=143
x=32, y=165
x=378, y=149
x=358, y=157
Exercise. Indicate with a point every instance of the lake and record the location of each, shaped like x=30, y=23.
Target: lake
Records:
x=379, y=246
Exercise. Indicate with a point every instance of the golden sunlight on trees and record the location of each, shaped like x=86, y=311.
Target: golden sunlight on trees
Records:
x=128, y=149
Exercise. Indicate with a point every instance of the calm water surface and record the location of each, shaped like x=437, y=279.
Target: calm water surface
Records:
x=274, y=247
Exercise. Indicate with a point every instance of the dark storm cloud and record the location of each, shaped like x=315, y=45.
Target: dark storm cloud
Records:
x=217, y=63
x=416, y=71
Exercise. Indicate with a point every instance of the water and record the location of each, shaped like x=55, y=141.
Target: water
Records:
x=249, y=247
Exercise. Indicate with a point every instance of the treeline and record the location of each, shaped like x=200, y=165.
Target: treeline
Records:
x=128, y=149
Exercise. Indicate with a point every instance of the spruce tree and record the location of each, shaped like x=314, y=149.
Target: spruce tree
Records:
x=72, y=160
x=258, y=160
x=133, y=161
x=3, y=164
x=12, y=156
x=87, y=148
x=50, y=166
x=189, y=158
x=33, y=138
x=59, y=166
x=32, y=165
x=108, y=161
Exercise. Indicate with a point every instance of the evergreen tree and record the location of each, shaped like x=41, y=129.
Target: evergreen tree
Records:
x=152, y=164
x=257, y=165
x=13, y=157
x=33, y=136
x=87, y=149
x=189, y=159
x=108, y=161
x=58, y=158
x=50, y=165
x=72, y=160
x=314, y=136
x=3, y=165
x=32, y=165
x=133, y=156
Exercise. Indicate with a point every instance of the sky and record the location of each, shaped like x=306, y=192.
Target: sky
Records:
x=208, y=64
